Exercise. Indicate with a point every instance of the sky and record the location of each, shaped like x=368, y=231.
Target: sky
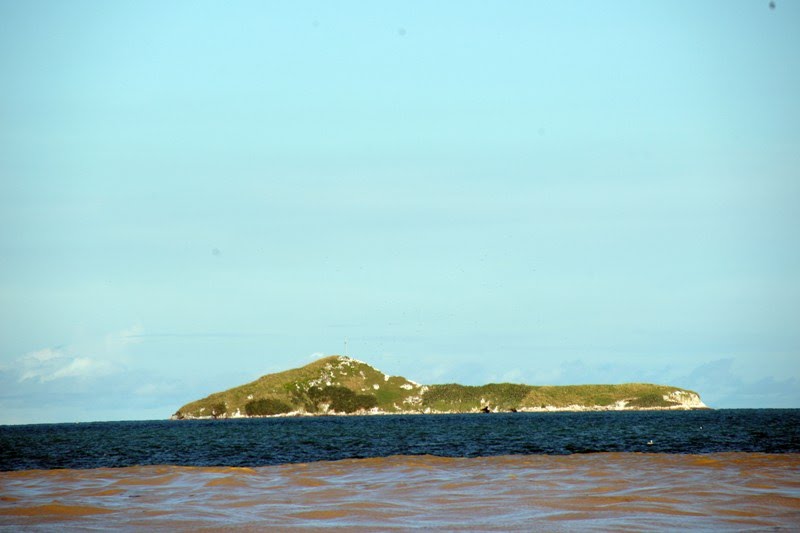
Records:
x=194, y=194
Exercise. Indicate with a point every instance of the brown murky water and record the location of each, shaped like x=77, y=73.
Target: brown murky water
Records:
x=607, y=491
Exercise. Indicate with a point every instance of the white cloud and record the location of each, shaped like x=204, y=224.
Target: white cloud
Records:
x=38, y=364
x=51, y=364
x=316, y=355
x=77, y=367
x=45, y=354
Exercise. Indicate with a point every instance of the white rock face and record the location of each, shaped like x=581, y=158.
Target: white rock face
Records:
x=413, y=401
x=688, y=400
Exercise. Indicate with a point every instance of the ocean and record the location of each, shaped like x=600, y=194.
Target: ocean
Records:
x=635, y=470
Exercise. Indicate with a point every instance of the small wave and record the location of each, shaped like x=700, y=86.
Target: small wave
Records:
x=54, y=510
x=601, y=491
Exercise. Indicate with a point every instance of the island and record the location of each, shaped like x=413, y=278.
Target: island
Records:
x=341, y=385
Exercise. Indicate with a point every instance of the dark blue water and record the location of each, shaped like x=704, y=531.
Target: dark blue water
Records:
x=269, y=441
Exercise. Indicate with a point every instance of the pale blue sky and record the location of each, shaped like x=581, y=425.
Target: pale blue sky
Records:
x=193, y=194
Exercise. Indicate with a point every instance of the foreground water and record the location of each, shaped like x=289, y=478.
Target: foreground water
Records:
x=706, y=470
x=607, y=491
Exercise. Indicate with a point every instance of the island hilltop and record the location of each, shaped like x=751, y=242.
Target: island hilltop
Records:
x=342, y=385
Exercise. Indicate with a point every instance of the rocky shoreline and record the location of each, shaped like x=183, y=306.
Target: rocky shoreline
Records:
x=698, y=406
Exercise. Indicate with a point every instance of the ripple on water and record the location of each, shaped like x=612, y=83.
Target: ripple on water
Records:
x=595, y=491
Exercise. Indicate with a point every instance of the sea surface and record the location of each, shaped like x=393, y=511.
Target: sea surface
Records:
x=648, y=470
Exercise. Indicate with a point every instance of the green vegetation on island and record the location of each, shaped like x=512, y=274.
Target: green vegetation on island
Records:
x=342, y=385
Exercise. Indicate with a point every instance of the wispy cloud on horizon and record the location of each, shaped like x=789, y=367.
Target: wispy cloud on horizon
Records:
x=50, y=364
x=83, y=360
x=720, y=383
